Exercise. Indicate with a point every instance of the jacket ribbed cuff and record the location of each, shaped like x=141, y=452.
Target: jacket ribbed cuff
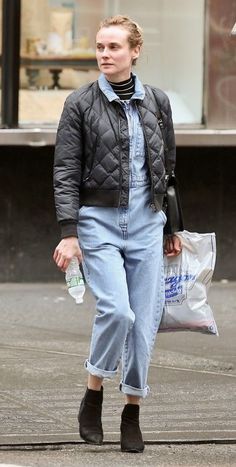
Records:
x=68, y=229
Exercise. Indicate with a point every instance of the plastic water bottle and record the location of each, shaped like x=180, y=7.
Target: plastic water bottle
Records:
x=75, y=280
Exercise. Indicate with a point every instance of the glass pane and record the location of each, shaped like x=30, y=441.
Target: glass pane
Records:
x=221, y=79
x=58, y=55
x=172, y=57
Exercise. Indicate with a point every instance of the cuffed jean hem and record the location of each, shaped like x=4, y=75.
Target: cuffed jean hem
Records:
x=130, y=390
x=99, y=373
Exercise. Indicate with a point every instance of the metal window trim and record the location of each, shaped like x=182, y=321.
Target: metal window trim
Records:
x=11, y=14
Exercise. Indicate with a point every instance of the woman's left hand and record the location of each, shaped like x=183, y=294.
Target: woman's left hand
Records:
x=172, y=246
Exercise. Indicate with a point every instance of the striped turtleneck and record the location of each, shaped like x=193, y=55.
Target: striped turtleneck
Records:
x=125, y=89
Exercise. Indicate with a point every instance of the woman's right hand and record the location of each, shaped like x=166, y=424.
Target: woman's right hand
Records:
x=65, y=250
x=172, y=245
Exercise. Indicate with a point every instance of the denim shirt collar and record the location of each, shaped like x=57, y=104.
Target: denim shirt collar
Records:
x=139, y=92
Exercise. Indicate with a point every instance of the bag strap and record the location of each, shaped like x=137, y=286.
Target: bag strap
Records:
x=169, y=171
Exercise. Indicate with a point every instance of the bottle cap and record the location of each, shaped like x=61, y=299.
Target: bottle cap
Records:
x=79, y=300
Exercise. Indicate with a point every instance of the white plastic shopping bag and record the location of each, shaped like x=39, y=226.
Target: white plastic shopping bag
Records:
x=187, y=281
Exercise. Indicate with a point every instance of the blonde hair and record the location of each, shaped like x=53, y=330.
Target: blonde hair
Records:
x=135, y=31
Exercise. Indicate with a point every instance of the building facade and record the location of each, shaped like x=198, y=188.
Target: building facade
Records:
x=189, y=52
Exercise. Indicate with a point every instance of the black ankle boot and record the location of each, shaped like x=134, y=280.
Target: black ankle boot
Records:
x=131, y=437
x=90, y=424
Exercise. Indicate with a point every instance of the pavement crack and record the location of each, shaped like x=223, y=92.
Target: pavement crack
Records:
x=193, y=370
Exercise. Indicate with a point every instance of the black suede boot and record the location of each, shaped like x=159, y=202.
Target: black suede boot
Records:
x=131, y=437
x=90, y=412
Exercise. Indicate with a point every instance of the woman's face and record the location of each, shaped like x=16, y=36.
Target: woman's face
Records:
x=113, y=52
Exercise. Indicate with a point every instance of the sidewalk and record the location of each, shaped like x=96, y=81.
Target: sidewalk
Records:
x=44, y=342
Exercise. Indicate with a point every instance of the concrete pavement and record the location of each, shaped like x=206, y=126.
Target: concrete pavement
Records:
x=44, y=342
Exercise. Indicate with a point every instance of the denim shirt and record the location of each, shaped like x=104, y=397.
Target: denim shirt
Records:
x=138, y=170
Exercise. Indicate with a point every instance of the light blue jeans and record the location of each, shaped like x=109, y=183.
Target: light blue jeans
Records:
x=123, y=265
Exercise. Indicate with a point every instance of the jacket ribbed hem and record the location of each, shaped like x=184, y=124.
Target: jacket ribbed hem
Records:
x=68, y=229
x=100, y=198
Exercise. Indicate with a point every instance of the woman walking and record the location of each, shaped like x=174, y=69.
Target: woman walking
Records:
x=109, y=182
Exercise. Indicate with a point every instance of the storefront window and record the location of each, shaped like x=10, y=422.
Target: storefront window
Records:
x=58, y=53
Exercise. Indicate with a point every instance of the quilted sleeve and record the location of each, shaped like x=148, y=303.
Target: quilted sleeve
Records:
x=164, y=106
x=68, y=163
x=170, y=138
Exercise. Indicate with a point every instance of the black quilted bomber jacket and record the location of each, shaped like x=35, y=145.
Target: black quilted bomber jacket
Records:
x=91, y=165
